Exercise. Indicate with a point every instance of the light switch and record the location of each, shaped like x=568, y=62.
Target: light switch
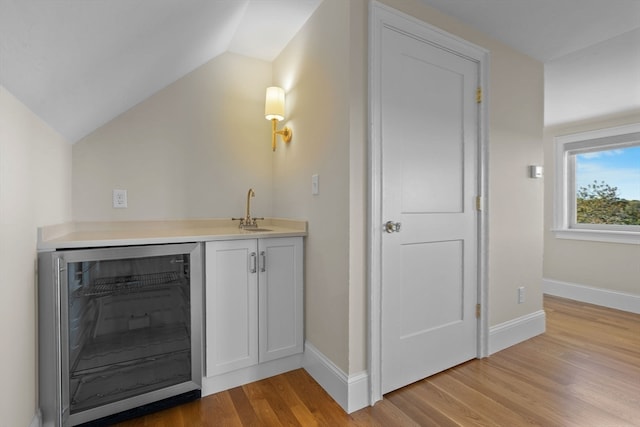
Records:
x=315, y=184
x=119, y=198
x=535, y=171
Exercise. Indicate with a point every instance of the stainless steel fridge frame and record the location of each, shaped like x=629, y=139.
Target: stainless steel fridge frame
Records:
x=53, y=357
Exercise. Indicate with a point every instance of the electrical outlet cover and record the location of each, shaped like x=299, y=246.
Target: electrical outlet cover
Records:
x=119, y=199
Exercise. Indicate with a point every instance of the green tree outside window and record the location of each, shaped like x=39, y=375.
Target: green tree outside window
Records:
x=599, y=203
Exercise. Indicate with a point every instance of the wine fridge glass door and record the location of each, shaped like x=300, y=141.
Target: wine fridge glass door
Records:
x=129, y=328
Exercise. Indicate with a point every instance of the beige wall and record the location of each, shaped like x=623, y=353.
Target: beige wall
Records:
x=358, y=186
x=607, y=266
x=177, y=157
x=35, y=190
x=315, y=71
x=324, y=71
x=192, y=150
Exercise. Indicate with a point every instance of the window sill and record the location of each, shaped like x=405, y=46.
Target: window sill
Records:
x=625, y=237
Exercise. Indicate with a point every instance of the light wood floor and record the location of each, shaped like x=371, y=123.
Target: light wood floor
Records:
x=584, y=371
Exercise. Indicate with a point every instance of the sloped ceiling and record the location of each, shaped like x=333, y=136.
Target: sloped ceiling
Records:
x=80, y=63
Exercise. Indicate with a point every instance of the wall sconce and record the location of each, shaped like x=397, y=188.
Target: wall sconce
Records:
x=274, y=111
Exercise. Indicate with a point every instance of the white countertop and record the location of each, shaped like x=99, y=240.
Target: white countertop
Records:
x=128, y=233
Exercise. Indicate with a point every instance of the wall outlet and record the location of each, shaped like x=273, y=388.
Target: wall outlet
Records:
x=521, y=295
x=119, y=199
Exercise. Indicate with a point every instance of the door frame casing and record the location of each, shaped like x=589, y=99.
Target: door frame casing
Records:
x=381, y=16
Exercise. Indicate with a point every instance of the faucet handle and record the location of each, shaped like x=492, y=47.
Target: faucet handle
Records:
x=254, y=221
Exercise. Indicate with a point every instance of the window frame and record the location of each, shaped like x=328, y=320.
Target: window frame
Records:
x=565, y=225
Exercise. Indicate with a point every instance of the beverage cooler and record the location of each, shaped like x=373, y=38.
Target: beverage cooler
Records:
x=119, y=331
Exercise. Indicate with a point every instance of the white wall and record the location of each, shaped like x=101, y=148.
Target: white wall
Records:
x=192, y=150
x=607, y=267
x=35, y=190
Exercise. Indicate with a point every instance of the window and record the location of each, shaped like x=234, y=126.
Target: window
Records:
x=598, y=185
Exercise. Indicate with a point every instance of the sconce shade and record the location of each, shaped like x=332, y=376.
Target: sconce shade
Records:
x=274, y=103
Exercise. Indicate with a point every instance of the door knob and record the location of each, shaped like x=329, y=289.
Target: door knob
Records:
x=392, y=227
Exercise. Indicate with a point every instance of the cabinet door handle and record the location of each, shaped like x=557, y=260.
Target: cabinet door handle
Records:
x=263, y=261
x=252, y=262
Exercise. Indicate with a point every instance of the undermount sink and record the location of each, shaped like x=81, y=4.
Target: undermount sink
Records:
x=256, y=229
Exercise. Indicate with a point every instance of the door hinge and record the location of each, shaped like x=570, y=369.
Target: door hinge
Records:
x=479, y=203
x=479, y=95
x=477, y=311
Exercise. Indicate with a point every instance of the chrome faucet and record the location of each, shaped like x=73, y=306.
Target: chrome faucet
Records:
x=248, y=221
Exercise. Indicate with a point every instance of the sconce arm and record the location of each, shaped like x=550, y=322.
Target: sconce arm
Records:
x=286, y=133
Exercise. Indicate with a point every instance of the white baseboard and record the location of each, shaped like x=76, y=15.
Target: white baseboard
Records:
x=251, y=374
x=515, y=331
x=37, y=419
x=350, y=391
x=598, y=296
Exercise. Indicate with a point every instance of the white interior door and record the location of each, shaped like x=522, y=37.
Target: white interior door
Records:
x=429, y=267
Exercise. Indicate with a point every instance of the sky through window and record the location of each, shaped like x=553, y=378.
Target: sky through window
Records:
x=618, y=167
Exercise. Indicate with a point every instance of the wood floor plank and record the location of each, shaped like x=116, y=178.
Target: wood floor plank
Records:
x=415, y=409
x=292, y=400
x=320, y=404
x=584, y=372
x=488, y=408
x=262, y=407
x=220, y=411
x=502, y=388
x=561, y=404
x=243, y=407
x=440, y=406
x=279, y=403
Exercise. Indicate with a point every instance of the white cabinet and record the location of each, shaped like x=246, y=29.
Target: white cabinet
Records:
x=254, y=302
x=231, y=308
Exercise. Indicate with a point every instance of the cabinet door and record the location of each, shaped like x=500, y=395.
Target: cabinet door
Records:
x=281, y=300
x=231, y=305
